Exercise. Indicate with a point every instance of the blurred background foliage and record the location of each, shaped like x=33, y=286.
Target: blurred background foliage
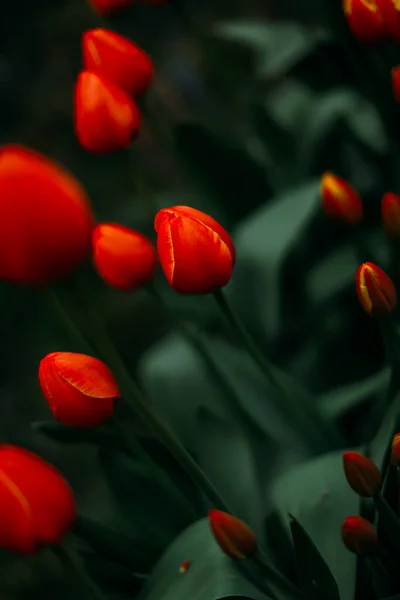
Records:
x=254, y=100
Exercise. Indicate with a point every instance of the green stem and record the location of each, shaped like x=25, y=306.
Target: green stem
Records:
x=271, y=572
x=320, y=433
x=389, y=519
x=74, y=564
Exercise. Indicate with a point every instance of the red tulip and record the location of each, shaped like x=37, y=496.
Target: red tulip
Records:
x=396, y=450
x=390, y=18
x=117, y=59
x=106, y=7
x=234, y=537
x=37, y=505
x=106, y=118
x=81, y=390
x=375, y=290
x=340, y=200
x=359, y=536
x=390, y=211
x=124, y=258
x=46, y=218
x=196, y=253
x=396, y=83
x=364, y=19
x=362, y=474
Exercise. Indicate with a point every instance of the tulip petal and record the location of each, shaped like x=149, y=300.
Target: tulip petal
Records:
x=15, y=518
x=194, y=258
x=87, y=374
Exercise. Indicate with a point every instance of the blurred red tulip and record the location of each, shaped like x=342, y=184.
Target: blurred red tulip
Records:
x=364, y=19
x=340, y=200
x=117, y=59
x=37, y=506
x=46, y=218
x=396, y=450
x=196, y=253
x=106, y=7
x=106, y=118
x=359, y=536
x=81, y=390
x=390, y=18
x=123, y=257
x=390, y=212
x=234, y=537
x=375, y=290
x=362, y=474
x=396, y=83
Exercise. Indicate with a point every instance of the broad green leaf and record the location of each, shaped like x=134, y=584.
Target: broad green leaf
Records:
x=318, y=496
x=315, y=577
x=211, y=574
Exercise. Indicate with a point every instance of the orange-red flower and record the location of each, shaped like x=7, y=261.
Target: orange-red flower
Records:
x=46, y=218
x=196, y=253
x=117, y=59
x=123, y=257
x=390, y=211
x=37, y=505
x=106, y=118
x=396, y=82
x=390, y=18
x=340, y=200
x=364, y=19
x=359, y=536
x=106, y=7
x=362, y=474
x=81, y=390
x=234, y=537
x=396, y=450
x=375, y=290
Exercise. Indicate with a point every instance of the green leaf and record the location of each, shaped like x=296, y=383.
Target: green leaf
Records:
x=211, y=575
x=110, y=575
x=317, y=495
x=315, y=577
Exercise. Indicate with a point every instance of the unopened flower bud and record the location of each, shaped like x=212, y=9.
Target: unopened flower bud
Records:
x=364, y=19
x=234, y=537
x=339, y=199
x=375, y=290
x=390, y=210
x=362, y=474
x=396, y=450
x=359, y=536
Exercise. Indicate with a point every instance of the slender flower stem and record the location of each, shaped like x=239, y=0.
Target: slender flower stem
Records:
x=271, y=572
x=319, y=431
x=71, y=560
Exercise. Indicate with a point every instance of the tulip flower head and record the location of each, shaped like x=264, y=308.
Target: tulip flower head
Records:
x=375, y=290
x=107, y=7
x=390, y=213
x=234, y=537
x=339, y=199
x=37, y=506
x=81, y=390
x=390, y=18
x=396, y=450
x=46, y=217
x=106, y=118
x=117, y=59
x=396, y=82
x=359, y=536
x=364, y=19
x=196, y=254
x=124, y=258
x=362, y=474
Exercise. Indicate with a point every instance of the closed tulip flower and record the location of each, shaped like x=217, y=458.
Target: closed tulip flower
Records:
x=364, y=19
x=396, y=83
x=233, y=536
x=390, y=18
x=117, y=59
x=106, y=118
x=81, y=390
x=46, y=218
x=359, y=536
x=390, y=212
x=124, y=258
x=37, y=506
x=107, y=7
x=339, y=199
x=362, y=474
x=375, y=290
x=195, y=252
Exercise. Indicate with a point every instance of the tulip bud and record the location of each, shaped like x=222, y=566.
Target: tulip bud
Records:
x=359, y=536
x=117, y=59
x=390, y=213
x=124, y=258
x=362, y=474
x=46, y=218
x=81, y=390
x=396, y=450
x=106, y=7
x=340, y=200
x=375, y=290
x=37, y=506
x=234, y=537
x=364, y=19
x=195, y=252
x=390, y=18
x=106, y=118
